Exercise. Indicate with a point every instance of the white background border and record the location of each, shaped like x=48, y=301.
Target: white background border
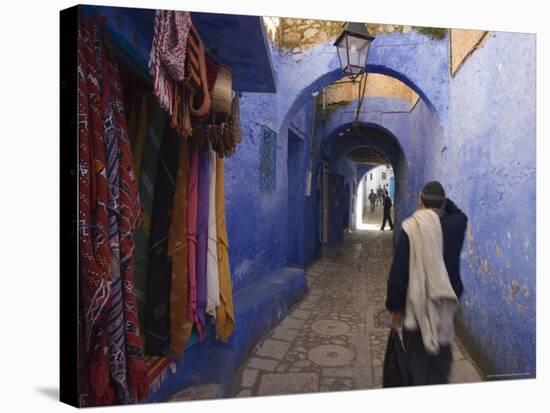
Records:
x=29, y=171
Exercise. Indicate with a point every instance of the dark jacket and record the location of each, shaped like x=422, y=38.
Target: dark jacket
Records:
x=387, y=204
x=453, y=225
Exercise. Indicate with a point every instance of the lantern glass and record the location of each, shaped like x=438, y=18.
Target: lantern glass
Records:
x=352, y=52
x=358, y=49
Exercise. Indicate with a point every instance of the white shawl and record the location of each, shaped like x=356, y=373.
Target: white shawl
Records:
x=212, y=273
x=431, y=300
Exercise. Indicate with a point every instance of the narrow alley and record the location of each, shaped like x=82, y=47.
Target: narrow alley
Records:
x=335, y=338
x=236, y=195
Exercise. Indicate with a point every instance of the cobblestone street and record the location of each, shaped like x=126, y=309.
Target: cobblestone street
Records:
x=335, y=338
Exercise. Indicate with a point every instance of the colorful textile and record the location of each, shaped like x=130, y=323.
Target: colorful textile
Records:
x=95, y=270
x=180, y=325
x=225, y=317
x=181, y=115
x=156, y=371
x=212, y=273
x=202, y=233
x=192, y=206
x=157, y=319
x=168, y=54
x=115, y=325
x=109, y=211
x=157, y=121
x=129, y=218
x=140, y=137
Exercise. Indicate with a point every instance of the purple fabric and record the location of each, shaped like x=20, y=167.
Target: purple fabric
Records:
x=202, y=234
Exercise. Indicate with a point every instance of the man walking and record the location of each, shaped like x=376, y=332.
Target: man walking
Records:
x=372, y=199
x=424, y=285
x=387, y=208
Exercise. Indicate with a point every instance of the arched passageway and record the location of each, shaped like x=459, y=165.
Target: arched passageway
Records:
x=350, y=147
x=422, y=66
x=369, y=202
x=394, y=127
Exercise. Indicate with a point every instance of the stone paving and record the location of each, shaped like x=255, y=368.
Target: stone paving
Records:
x=335, y=338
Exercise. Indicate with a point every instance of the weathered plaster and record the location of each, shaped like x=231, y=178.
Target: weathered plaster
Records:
x=487, y=162
x=377, y=86
x=463, y=43
x=416, y=60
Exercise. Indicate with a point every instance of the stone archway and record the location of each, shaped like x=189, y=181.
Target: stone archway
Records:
x=412, y=58
x=383, y=141
x=416, y=60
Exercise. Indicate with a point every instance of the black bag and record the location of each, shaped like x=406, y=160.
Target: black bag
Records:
x=396, y=371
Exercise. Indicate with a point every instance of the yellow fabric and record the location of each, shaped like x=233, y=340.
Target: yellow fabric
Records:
x=180, y=324
x=140, y=135
x=225, y=317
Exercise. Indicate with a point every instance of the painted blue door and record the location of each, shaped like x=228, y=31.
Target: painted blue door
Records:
x=336, y=206
x=392, y=187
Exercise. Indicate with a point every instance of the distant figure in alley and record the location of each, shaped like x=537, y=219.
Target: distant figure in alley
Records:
x=424, y=285
x=372, y=199
x=387, y=204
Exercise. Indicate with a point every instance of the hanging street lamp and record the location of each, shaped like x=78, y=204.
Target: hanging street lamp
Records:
x=353, y=46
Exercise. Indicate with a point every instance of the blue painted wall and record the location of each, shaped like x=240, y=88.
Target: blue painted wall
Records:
x=348, y=169
x=487, y=161
x=335, y=227
x=400, y=143
x=296, y=183
x=417, y=60
x=254, y=216
x=426, y=136
x=299, y=152
x=311, y=219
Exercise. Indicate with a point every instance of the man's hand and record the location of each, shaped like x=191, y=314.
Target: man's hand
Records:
x=395, y=320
